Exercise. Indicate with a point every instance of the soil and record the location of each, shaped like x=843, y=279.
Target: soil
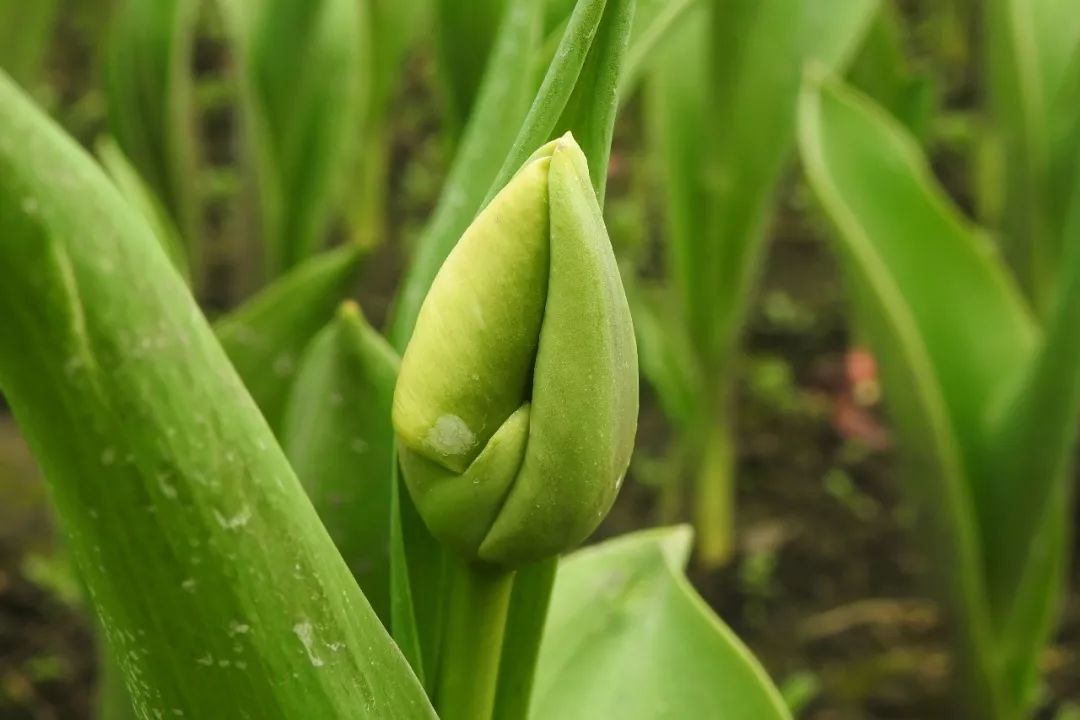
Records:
x=828, y=584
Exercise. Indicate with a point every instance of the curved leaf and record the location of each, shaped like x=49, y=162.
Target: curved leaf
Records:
x=265, y=336
x=142, y=199
x=148, y=87
x=628, y=638
x=165, y=478
x=336, y=433
x=945, y=325
x=303, y=77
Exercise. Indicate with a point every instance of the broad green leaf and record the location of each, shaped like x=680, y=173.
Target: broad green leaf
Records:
x=628, y=638
x=25, y=31
x=502, y=102
x=218, y=590
x=336, y=433
x=303, y=74
x=148, y=88
x=948, y=328
x=464, y=37
x=143, y=200
x=265, y=336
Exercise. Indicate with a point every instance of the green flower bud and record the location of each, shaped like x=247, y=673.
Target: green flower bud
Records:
x=516, y=405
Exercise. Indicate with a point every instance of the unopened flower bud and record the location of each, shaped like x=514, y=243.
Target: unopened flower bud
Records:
x=516, y=405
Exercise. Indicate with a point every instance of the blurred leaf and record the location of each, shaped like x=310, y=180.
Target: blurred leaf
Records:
x=949, y=341
x=336, y=433
x=148, y=89
x=665, y=353
x=654, y=22
x=1032, y=50
x=834, y=30
x=628, y=637
x=883, y=72
x=144, y=201
x=590, y=110
x=304, y=70
x=395, y=25
x=265, y=336
x=503, y=99
x=25, y=31
x=163, y=474
x=465, y=35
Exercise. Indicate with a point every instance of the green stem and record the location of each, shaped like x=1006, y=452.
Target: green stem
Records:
x=521, y=644
x=715, y=505
x=469, y=667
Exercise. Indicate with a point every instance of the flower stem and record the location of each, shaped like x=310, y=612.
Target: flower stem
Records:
x=469, y=667
x=524, y=630
x=715, y=505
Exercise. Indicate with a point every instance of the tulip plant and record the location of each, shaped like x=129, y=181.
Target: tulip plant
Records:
x=983, y=387
x=722, y=94
x=231, y=496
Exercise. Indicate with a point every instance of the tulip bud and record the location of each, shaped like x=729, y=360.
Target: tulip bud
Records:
x=516, y=405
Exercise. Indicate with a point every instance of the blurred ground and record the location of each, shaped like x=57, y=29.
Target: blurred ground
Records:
x=828, y=586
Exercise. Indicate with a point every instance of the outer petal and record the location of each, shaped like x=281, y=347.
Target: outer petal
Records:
x=585, y=383
x=468, y=365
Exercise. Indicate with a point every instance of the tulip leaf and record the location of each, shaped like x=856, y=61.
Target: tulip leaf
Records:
x=336, y=434
x=606, y=23
x=629, y=638
x=302, y=75
x=1033, y=48
x=403, y=619
x=502, y=101
x=142, y=199
x=664, y=351
x=590, y=110
x=654, y=22
x=927, y=291
x=465, y=35
x=834, y=30
x=163, y=474
x=883, y=71
x=148, y=87
x=265, y=336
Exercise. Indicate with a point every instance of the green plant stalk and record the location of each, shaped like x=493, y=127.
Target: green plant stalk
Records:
x=476, y=621
x=715, y=491
x=367, y=208
x=525, y=625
